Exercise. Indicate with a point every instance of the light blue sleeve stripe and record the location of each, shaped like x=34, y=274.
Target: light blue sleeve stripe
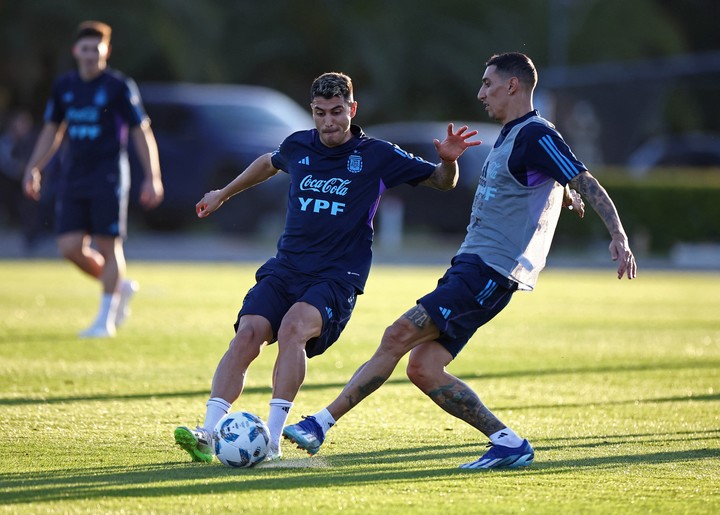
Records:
x=560, y=156
x=555, y=155
x=564, y=164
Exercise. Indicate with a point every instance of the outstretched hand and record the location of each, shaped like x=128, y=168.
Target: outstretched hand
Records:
x=620, y=252
x=453, y=146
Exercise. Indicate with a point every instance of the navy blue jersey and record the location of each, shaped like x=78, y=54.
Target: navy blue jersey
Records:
x=540, y=152
x=334, y=194
x=98, y=114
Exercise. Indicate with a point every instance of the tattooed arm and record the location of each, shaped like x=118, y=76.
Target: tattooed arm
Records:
x=597, y=197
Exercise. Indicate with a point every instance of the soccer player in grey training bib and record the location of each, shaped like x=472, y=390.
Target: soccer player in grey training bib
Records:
x=512, y=221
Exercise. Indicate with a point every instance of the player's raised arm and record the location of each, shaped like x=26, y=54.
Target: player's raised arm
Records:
x=445, y=176
x=595, y=194
x=259, y=171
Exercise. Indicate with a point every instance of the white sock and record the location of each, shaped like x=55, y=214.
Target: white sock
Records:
x=108, y=309
x=325, y=419
x=506, y=437
x=279, y=411
x=217, y=408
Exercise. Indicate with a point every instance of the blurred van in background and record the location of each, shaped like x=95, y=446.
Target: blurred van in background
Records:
x=207, y=134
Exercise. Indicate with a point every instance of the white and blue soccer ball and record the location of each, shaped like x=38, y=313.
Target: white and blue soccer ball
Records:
x=241, y=439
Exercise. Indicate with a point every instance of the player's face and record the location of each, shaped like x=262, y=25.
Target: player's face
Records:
x=332, y=119
x=494, y=94
x=91, y=55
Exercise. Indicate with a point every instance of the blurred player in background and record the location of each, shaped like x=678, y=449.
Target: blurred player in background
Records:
x=512, y=222
x=95, y=108
x=305, y=295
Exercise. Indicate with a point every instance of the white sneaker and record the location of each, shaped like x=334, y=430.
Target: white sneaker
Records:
x=98, y=331
x=128, y=288
x=274, y=454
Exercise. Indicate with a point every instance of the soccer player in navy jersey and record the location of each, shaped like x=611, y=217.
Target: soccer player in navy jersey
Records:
x=305, y=295
x=95, y=109
x=512, y=222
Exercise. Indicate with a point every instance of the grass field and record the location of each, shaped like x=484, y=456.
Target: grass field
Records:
x=616, y=384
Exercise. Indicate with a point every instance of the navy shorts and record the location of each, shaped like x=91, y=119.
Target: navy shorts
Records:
x=467, y=297
x=103, y=214
x=277, y=289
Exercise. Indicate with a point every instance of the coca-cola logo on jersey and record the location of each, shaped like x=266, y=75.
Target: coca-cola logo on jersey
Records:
x=334, y=185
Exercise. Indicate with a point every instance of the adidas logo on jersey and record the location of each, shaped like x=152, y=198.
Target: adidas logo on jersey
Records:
x=445, y=312
x=305, y=161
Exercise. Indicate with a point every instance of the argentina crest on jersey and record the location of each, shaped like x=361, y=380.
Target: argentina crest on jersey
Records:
x=354, y=164
x=100, y=97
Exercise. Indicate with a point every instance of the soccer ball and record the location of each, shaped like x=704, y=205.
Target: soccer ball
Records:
x=241, y=439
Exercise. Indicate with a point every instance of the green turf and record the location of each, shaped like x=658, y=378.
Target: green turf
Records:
x=615, y=383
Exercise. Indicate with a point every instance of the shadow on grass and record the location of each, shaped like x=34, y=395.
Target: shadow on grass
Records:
x=337, y=386
x=405, y=465
x=611, y=462
x=651, y=400
x=600, y=440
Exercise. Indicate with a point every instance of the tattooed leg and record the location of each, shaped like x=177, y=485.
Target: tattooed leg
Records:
x=354, y=393
x=418, y=317
x=462, y=402
x=368, y=378
x=413, y=328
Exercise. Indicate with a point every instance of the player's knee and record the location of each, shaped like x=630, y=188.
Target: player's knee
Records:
x=246, y=344
x=68, y=254
x=69, y=250
x=290, y=341
x=296, y=332
x=418, y=373
x=394, y=340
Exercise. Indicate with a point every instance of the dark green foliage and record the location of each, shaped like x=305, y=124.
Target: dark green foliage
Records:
x=657, y=211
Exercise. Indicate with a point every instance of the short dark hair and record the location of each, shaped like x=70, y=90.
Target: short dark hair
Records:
x=96, y=29
x=517, y=65
x=332, y=84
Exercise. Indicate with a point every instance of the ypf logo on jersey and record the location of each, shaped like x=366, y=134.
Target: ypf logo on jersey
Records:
x=332, y=186
x=354, y=164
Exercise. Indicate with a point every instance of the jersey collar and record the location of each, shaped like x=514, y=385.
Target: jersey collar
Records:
x=509, y=125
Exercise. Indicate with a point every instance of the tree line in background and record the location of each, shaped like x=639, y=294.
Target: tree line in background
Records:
x=410, y=59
